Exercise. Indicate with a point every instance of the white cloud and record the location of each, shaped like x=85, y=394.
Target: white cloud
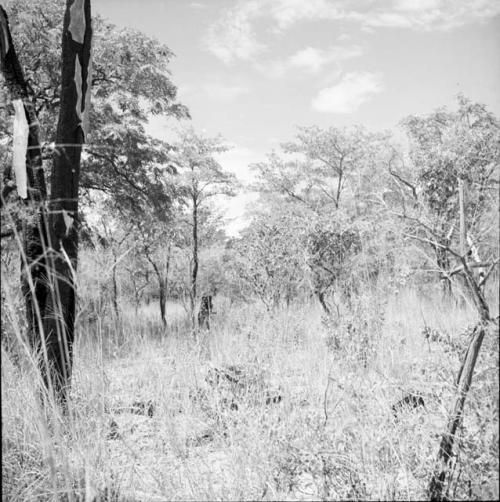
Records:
x=288, y=12
x=349, y=94
x=310, y=60
x=313, y=59
x=224, y=92
x=416, y=5
x=429, y=15
x=233, y=36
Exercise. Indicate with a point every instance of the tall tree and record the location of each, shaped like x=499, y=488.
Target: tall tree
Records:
x=59, y=321
x=130, y=82
x=29, y=166
x=202, y=179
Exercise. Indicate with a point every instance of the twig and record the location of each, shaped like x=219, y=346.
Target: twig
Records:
x=325, y=400
x=488, y=273
x=405, y=182
x=434, y=243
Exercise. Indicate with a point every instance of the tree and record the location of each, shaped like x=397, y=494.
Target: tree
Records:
x=269, y=257
x=130, y=81
x=331, y=249
x=456, y=156
x=59, y=325
x=334, y=180
x=156, y=241
x=60, y=238
x=448, y=149
x=201, y=179
x=453, y=211
x=463, y=381
x=28, y=166
x=335, y=160
x=117, y=241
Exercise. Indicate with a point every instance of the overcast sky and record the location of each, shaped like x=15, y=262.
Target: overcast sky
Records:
x=252, y=70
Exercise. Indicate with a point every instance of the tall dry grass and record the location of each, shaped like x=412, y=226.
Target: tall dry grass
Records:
x=332, y=436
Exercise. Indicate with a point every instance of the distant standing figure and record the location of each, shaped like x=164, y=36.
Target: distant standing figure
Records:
x=206, y=310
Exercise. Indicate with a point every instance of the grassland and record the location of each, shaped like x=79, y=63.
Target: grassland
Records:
x=333, y=434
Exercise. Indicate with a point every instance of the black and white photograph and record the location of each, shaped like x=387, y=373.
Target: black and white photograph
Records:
x=250, y=250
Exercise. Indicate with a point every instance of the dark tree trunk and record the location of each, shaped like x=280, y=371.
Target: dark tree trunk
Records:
x=163, y=299
x=162, y=286
x=194, y=271
x=63, y=209
x=206, y=310
x=322, y=301
x=33, y=262
x=115, y=288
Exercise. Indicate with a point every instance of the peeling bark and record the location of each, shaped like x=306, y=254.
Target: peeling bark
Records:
x=59, y=326
x=34, y=230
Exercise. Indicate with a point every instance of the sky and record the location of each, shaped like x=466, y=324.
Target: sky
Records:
x=253, y=70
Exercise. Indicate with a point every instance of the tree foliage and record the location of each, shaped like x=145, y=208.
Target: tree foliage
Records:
x=269, y=258
x=131, y=80
x=445, y=147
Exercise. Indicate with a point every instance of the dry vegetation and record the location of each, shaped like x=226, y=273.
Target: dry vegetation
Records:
x=148, y=420
x=343, y=309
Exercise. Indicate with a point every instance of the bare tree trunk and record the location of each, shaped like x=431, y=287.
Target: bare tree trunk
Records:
x=163, y=282
x=194, y=271
x=63, y=210
x=205, y=312
x=162, y=286
x=322, y=301
x=464, y=379
x=163, y=300
x=137, y=300
x=115, y=287
x=33, y=262
x=463, y=225
x=167, y=268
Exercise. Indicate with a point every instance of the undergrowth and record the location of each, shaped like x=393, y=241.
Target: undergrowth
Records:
x=287, y=405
